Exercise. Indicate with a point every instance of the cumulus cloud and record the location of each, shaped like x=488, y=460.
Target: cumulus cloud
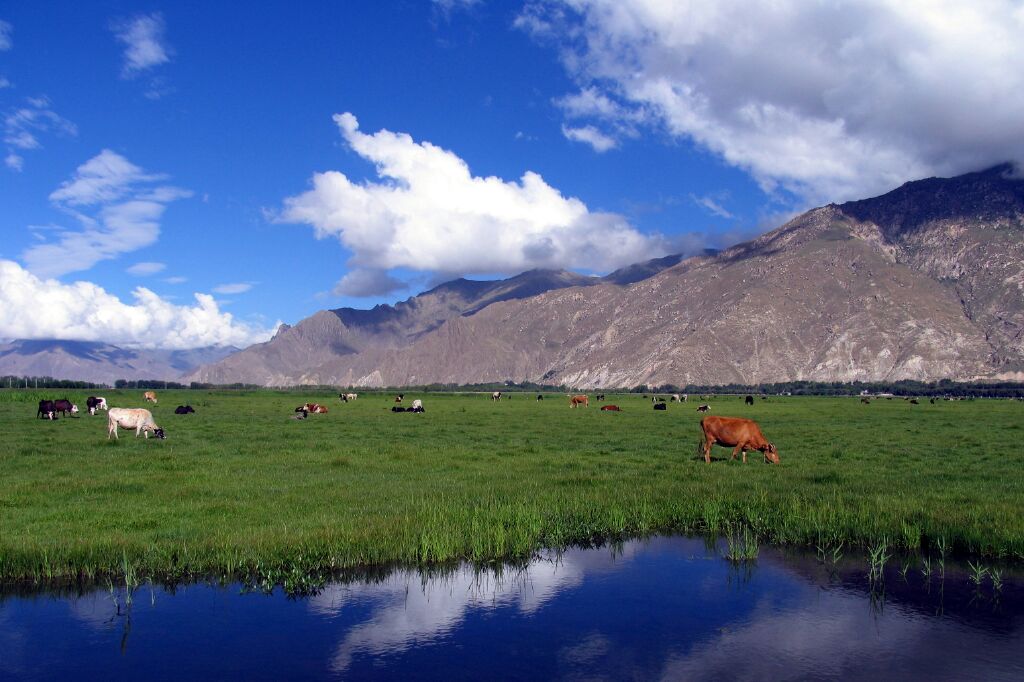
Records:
x=236, y=288
x=118, y=207
x=146, y=268
x=35, y=308
x=827, y=101
x=23, y=125
x=144, y=45
x=429, y=213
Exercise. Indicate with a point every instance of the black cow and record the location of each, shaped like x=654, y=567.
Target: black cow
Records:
x=415, y=409
x=46, y=410
x=65, y=407
x=93, y=403
x=660, y=406
x=540, y=397
x=749, y=400
x=600, y=396
x=396, y=408
x=184, y=409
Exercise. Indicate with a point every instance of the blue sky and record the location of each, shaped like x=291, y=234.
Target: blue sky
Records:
x=289, y=157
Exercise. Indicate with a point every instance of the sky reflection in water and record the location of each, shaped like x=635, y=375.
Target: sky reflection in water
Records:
x=666, y=608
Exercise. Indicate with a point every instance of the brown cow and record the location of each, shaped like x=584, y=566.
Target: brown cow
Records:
x=579, y=400
x=739, y=434
x=149, y=396
x=610, y=408
x=315, y=408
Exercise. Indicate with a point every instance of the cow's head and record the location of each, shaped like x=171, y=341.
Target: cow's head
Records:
x=159, y=433
x=771, y=454
x=74, y=409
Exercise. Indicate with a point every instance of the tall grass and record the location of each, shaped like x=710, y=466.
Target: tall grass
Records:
x=240, y=488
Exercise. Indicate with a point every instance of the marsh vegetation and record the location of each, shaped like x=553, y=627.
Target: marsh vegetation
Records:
x=239, y=488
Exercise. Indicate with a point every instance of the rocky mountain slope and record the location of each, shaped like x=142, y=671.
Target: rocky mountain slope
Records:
x=924, y=282
x=100, y=362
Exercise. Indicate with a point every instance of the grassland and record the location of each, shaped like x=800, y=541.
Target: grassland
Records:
x=240, y=488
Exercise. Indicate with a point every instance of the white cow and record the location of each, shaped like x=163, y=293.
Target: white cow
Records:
x=496, y=395
x=417, y=404
x=351, y=396
x=132, y=418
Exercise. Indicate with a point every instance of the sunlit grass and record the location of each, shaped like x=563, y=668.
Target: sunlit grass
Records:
x=240, y=487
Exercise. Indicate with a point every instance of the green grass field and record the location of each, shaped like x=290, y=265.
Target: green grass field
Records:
x=240, y=488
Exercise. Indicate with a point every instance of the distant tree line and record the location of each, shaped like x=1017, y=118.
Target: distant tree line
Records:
x=944, y=387
x=907, y=388
x=12, y=381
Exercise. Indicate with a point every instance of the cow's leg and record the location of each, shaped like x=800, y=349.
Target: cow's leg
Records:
x=112, y=429
x=708, y=442
x=736, y=450
x=744, y=454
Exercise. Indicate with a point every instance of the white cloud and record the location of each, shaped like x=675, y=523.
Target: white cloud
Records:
x=5, y=35
x=177, y=279
x=146, y=268
x=23, y=125
x=119, y=211
x=143, y=38
x=34, y=308
x=4, y=83
x=236, y=288
x=712, y=206
x=828, y=101
x=592, y=136
x=428, y=213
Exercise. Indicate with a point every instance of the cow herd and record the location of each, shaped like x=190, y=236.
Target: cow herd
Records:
x=740, y=434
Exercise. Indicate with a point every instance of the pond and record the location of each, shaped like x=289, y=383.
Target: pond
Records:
x=661, y=608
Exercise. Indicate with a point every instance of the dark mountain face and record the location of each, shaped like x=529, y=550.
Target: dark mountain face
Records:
x=924, y=282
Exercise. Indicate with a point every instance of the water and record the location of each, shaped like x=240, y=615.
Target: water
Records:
x=665, y=608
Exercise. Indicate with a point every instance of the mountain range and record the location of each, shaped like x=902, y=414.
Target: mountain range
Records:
x=924, y=282
x=101, y=363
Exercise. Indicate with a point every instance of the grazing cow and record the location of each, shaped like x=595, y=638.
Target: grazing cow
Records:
x=149, y=396
x=95, y=403
x=932, y=400
x=342, y=398
x=399, y=397
x=184, y=409
x=496, y=395
x=396, y=408
x=739, y=434
x=676, y=398
x=704, y=408
x=599, y=396
x=132, y=418
x=749, y=400
x=540, y=397
x=660, y=406
x=610, y=408
x=865, y=400
x=65, y=407
x=46, y=410
x=684, y=398
x=349, y=397
x=913, y=401
x=579, y=400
